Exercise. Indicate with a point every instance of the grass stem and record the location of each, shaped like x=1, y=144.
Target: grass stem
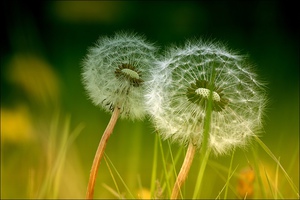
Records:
x=229, y=176
x=154, y=168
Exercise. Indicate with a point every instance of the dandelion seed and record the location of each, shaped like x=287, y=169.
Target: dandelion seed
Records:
x=183, y=83
x=113, y=74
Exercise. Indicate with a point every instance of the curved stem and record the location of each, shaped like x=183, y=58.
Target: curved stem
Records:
x=184, y=170
x=100, y=151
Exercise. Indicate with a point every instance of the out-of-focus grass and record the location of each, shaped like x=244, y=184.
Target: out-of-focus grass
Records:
x=57, y=148
x=251, y=177
x=46, y=166
x=51, y=166
x=37, y=150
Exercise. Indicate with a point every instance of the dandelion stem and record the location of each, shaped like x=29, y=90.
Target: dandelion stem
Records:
x=100, y=152
x=184, y=170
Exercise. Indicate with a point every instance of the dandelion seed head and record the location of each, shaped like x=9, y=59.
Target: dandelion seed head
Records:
x=114, y=71
x=180, y=87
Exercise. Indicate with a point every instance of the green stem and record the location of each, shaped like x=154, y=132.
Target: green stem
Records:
x=205, y=150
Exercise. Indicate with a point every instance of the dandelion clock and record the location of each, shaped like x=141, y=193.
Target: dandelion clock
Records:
x=114, y=74
x=206, y=97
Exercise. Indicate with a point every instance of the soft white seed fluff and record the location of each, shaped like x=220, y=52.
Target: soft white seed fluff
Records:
x=179, y=119
x=107, y=90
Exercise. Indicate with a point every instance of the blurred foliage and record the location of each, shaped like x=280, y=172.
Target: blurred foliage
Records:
x=42, y=48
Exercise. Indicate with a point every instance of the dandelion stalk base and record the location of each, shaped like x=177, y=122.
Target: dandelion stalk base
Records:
x=184, y=170
x=100, y=152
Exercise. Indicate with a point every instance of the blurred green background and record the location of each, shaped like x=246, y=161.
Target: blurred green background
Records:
x=42, y=97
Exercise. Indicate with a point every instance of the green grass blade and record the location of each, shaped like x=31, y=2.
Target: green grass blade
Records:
x=229, y=176
x=277, y=192
x=227, y=182
x=43, y=191
x=269, y=152
x=58, y=167
x=258, y=174
x=123, y=182
x=154, y=168
x=113, y=178
x=216, y=167
x=51, y=183
x=201, y=174
x=165, y=168
x=276, y=180
x=112, y=191
x=173, y=165
x=172, y=159
x=292, y=163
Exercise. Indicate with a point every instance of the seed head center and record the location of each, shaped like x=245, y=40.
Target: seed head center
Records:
x=131, y=73
x=200, y=91
x=204, y=92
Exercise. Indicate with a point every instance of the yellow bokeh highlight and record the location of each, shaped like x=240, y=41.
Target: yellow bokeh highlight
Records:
x=93, y=11
x=245, y=186
x=16, y=125
x=35, y=76
x=143, y=193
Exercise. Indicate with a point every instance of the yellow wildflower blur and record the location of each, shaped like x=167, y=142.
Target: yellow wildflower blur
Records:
x=16, y=125
x=35, y=76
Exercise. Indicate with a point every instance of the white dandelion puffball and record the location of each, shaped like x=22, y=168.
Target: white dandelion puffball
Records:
x=180, y=87
x=114, y=72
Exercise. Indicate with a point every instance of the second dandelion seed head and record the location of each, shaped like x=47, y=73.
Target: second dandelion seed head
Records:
x=184, y=81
